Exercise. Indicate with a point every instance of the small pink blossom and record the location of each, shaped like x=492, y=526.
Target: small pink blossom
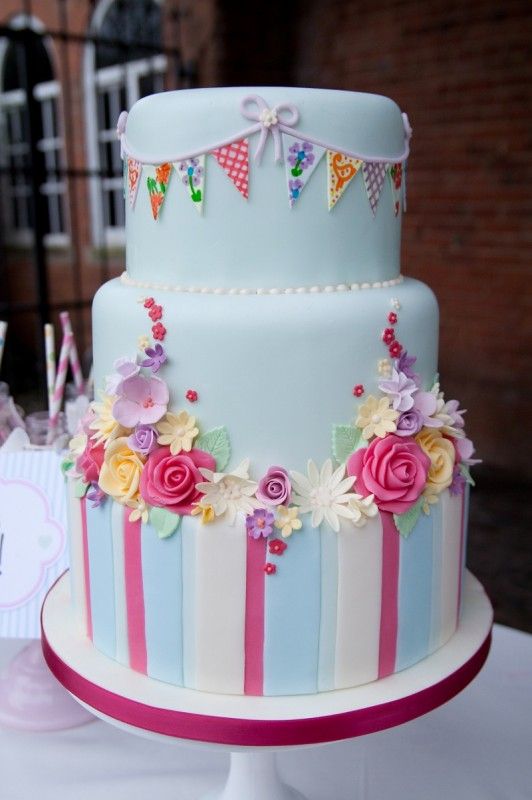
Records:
x=143, y=401
x=465, y=451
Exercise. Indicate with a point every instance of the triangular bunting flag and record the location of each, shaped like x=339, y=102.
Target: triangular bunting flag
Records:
x=191, y=172
x=301, y=159
x=374, y=175
x=395, y=171
x=157, y=183
x=340, y=171
x=234, y=160
x=134, y=170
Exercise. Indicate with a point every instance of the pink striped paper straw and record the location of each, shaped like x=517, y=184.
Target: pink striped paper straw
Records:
x=60, y=378
x=49, y=350
x=64, y=316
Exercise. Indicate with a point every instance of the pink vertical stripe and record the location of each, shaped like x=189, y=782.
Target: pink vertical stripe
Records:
x=86, y=568
x=461, y=558
x=254, y=633
x=136, y=629
x=390, y=582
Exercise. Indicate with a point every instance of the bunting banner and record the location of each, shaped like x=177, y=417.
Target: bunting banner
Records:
x=301, y=159
x=234, y=160
x=134, y=171
x=191, y=173
x=157, y=183
x=341, y=170
x=374, y=175
x=395, y=172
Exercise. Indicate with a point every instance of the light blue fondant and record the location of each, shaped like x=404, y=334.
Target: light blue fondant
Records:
x=465, y=520
x=437, y=554
x=188, y=532
x=101, y=570
x=292, y=616
x=329, y=608
x=117, y=522
x=163, y=602
x=415, y=593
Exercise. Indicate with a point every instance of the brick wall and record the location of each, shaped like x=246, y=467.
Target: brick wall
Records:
x=463, y=73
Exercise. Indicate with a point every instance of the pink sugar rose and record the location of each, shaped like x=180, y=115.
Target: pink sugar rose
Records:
x=142, y=401
x=275, y=487
x=90, y=462
x=170, y=481
x=394, y=469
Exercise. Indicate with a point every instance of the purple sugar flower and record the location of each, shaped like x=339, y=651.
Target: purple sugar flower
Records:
x=260, y=523
x=143, y=439
x=156, y=357
x=458, y=482
x=409, y=423
x=124, y=368
x=96, y=495
x=275, y=487
x=141, y=401
x=404, y=364
x=426, y=405
x=451, y=408
x=465, y=451
x=400, y=388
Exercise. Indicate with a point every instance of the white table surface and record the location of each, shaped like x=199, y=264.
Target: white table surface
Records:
x=476, y=747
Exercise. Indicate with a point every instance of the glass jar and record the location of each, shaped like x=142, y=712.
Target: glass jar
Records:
x=42, y=434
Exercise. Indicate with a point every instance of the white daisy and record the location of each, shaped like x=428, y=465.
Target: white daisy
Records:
x=229, y=492
x=324, y=493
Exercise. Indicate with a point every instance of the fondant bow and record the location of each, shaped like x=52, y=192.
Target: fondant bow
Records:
x=269, y=121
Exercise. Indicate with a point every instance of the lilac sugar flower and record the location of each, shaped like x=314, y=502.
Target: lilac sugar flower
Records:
x=458, y=482
x=426, y=404
x=404, y=364
x=260, y=523
x=409, y=423
x=142, y=401
x=466, y=451
x=124, y=368
x=451, y=408
x=96, y=495
x=156, y=357
x=143, y=439
x=400, y=389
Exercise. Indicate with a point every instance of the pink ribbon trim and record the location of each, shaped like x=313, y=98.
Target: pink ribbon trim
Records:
x=389, y=588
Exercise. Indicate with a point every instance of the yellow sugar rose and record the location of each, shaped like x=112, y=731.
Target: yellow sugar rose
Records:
x=120, y=472
x=442, y=457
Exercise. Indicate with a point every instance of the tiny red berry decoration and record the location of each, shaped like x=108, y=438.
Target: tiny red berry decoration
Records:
x=191, y=395
x=392, y=318
x=277, y=547
x=159, y=331
x=358, y=390
x=388, y=335
x=149, y=301
x=155, y=312
x=395, y=349
x=270, y=569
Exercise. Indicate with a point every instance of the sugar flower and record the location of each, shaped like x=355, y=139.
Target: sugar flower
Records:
x=451, y=416
x=106, y=428
x=363, y=508
x=178, y=431
x=275, y=487
x=400, y=389
x=77, y=444
x=140, y=510
x=458, y=482
x=404, y=364
x=121, y=471
x=464, y=448
x=441, y=453
x=95, y=495
x=259, y=523
x=287, y=520
x=124, y=368
x=426, y=404
x=376, y=418
x=409, y=423
x=155, y=357
x=143, y=342
x=142, y=401
x=229, y=492
x=206, y=511
x=324, y=493
x=384, y=367
x=143, y=439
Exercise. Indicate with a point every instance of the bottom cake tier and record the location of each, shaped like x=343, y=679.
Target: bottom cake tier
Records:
x=202, y=608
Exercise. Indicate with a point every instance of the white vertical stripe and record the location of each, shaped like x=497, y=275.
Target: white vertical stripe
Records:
x=450, y=564
x=220, y=599
x=75, y=540
x=117, y=524
x=359, y=603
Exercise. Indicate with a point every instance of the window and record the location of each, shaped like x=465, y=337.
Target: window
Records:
x=120, y=67
x=17, y=206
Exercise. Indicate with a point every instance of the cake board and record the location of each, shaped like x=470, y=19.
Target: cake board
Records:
x=253, y=728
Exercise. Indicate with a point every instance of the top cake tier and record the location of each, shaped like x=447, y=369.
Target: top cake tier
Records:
x=263, y=187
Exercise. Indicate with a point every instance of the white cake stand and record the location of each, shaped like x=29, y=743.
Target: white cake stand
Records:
x=253, y=728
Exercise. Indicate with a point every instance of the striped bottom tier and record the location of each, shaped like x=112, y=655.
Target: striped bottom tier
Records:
x=198, y=610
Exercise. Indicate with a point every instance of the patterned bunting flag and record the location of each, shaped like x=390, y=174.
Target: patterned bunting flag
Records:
x=374, y=175
x=234, y=160
x=301, y=159
x=191, y=172
x=395, y=171
x=340, y=171
x=157, y=183
x=134, y=170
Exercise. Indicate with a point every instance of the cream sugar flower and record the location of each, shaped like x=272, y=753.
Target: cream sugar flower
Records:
x=384, y=367
x=177, y=430
x=229, y=492
x=140, y=510
x=104, y=424
x=287, y=520
x=324, y=493
x=77, y=444
x=376, y=417
x=364, y=508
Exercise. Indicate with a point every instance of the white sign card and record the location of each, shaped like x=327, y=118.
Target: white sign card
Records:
x=33, y=551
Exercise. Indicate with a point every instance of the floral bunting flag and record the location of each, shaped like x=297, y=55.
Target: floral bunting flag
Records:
x=340, y=171
x=191, y=172
x=157, y=183
x=234, y=160
x=301, y=159
x=374, y=175
x=395, y=171
x=134, y=170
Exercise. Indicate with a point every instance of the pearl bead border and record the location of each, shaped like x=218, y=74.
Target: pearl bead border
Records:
x=341, y=287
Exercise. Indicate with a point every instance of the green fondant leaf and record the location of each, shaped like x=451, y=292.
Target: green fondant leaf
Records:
x=216, y=442
x=345, y=440
x=464, y=470
x=165, y=522
x=405, y=523
x=66, y=465
x=80, y=488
